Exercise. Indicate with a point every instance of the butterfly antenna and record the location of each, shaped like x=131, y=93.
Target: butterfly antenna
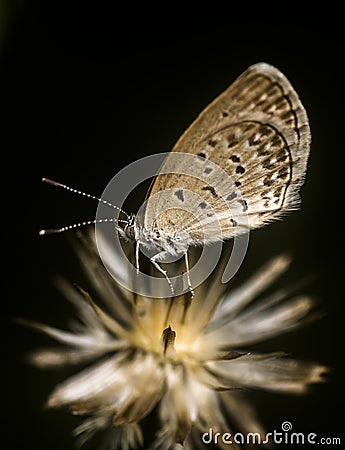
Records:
x=75, y=191
x=78, y=225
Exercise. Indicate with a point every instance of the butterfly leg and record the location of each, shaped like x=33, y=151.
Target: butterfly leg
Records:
x=158, y=267
x=137, y=257
x=188, y=275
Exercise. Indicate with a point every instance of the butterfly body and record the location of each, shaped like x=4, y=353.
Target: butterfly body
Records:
x=174, y=244
x=165, y=247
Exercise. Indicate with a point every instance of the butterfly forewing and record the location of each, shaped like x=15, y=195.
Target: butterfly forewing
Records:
x=257, y=133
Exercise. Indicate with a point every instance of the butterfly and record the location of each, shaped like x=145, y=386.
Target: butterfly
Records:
x=239, y=166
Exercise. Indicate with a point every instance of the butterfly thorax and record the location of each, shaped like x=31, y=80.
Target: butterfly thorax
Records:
x=157, y=241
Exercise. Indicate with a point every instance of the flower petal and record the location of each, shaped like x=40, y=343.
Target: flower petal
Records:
x=177, y=408
x=56, y=357
x=239, y=298
x=66, y=337
x=91, y=384
x=261, y=322
x=270, y=373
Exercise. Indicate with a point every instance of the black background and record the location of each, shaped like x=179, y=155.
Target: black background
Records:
x=89, y=88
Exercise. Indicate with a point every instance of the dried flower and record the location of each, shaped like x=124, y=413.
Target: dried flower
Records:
x=179, y=355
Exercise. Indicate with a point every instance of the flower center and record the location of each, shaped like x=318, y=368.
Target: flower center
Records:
x=168, y=342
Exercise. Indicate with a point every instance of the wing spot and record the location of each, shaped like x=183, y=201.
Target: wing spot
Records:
x=276, y=141
x=240, y=169
x=234, y=158
x=265, y=131
x=255, y=139
x=179, y=195
x=262, y=150
x=288, y=116
x=212, y=143
x=267, y=164
x=233, y=140
x=202, y=205
x=208, y=170
x=201, y=155
x=211, y=189
x=278, y=191
x=231, y=196
x=283, y=172
x=244, y=204
x=282, y=155
x=268, y=181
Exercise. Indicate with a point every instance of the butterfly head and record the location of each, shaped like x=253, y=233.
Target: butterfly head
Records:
x=159, y=241
x=130, y=228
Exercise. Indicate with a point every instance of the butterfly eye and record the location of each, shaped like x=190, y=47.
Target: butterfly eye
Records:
x=129, y=230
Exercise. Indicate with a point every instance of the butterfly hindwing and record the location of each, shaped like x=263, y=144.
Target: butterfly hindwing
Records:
x=257, y=134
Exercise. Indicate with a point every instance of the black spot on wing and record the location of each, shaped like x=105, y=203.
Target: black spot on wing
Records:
x=244, y=204
x=233, y=140
x=179, y=195
x=210, y=189
x=240, y=169
x=212, y=143
x=231, y=196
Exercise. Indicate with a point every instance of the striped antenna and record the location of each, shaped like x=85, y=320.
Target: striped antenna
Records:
x=75, y=191
x=78, y=225
x=88, y=222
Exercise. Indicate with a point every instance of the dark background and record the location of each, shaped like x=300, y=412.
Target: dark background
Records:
x=89, y=88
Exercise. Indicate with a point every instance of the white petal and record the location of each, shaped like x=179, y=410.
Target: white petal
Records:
x=261, y=322
x=256, y=284
x=91, y=383
x=109, y=322
x=49, y=358
x=66, y=337
x=144, y=388
x=265, y=372
x=178, y=408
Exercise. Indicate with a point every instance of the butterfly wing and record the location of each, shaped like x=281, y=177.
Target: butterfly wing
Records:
x=249, y=147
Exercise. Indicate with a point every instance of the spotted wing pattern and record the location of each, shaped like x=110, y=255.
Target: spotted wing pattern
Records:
x=250, y=148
